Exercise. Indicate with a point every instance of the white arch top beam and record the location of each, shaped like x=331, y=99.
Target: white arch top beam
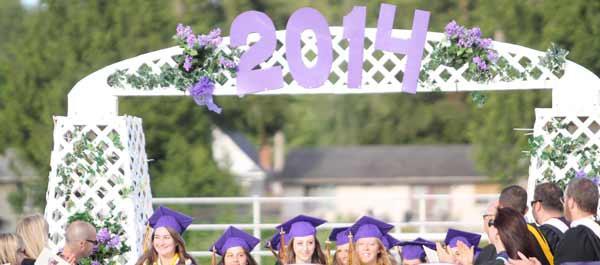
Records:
x=577, y=90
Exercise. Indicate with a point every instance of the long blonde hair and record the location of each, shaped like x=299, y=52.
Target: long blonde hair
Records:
x=34, y=231
x=150, y=256
x=383, y=257
x=10, y=244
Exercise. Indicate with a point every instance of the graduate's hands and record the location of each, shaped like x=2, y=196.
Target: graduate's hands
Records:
x=445, y=254
x=464, y=254
x=523, y=260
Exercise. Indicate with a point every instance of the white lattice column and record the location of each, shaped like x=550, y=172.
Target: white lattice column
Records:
x=99, y=167
x=583, y=125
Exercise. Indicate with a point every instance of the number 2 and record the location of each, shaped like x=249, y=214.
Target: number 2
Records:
x=248, y=80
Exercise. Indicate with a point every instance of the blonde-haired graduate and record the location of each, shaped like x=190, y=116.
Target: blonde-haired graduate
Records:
x=166, y=246
x=368, y=234
x=234, y=247
x=344, y=252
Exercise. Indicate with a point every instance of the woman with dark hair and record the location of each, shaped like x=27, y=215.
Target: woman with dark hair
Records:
x=234, y=247
x=166, y=245
x=298, y=235
x=509, y=234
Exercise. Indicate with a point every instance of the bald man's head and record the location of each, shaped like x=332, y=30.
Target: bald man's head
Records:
x=80, y=230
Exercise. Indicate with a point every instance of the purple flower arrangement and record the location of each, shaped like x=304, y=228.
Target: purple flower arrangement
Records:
x=463, y=46
x=199, y=68
x=581, y=174
x=203, y=63
x=110, y=243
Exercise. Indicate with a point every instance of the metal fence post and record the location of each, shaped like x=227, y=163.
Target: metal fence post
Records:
x=256, y=222
x=422, y=213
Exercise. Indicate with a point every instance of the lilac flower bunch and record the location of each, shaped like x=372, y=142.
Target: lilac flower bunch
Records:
x=200, y=67
x=581, y=174
x=111, y=247
x=466, y=46
x=204, y=63
x=462, y=46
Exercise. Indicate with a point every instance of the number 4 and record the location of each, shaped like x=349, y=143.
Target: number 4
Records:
x=412, y=48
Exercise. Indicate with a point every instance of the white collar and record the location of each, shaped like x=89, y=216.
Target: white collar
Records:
x=588, y=222
x=560, y=225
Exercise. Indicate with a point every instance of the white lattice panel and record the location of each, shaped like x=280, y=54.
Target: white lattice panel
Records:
x=382, y=71
x=124, y=188
x=586, y=125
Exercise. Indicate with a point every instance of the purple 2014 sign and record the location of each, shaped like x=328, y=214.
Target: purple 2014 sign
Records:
x=252, y=81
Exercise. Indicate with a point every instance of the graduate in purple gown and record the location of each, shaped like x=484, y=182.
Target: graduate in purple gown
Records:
x=166, y=244
x=234, y=247
x=341, y=237
x=301, y=245
x=367, y=234
x=413, y=252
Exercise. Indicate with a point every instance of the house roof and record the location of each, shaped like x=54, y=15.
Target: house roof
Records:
x=245, y=145
x=416, y=164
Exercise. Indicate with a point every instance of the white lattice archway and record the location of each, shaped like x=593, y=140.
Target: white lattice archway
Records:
x=93, y=105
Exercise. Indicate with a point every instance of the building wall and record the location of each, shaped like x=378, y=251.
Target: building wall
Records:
x=356, y=200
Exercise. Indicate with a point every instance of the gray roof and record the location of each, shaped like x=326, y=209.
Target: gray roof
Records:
x=411, y=164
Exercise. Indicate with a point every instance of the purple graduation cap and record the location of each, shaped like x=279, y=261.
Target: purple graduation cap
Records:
x=301, y=225
x=233, y=237
x=368, y=226
x=412, y=250
x=389, y=241
x=340, y=235
x=165, y=217
x=453, y=236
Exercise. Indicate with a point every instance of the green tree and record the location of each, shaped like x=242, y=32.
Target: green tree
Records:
x=62, y=42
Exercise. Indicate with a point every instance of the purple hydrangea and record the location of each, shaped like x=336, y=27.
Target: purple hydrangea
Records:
x=114, y=242
x=103, y=235
x=469, y=37
x=453, y=29
x=202, y=93
x=95, y=262
x=596, y=180
x=480, y=63
x=485, y=43
x=492, y=56
x=187, y=63
x=191, y=40
x=229, y=64
x=580, y=174
x=184, y=31
x=213, y=38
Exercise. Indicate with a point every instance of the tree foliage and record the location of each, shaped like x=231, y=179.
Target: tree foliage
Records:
x=46, y=50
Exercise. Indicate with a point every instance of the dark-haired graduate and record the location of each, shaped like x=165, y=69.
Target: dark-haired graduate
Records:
x=234, y=247
x=299, y=237
x=166, y=243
